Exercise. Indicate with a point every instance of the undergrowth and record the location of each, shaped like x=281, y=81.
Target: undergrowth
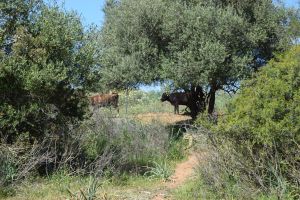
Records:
x=105, y=148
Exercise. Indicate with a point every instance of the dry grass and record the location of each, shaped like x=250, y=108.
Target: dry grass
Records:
x=163, y=118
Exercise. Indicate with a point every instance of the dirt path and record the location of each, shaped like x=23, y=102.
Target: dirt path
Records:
x=183, y=171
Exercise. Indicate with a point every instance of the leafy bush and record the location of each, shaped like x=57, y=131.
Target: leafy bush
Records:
x=44, y=73
x=256, y=146
x=267, y=110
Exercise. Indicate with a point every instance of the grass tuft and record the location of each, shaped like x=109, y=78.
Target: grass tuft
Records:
x=159, y=170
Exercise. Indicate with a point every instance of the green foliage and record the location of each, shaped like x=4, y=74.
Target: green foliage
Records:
x=209, y=43
x=8, y=169
x=267, y=109
x=204, y=41
x=95, y=145
x=129, y=55
x=14, y=13
x=257, y=143
x=198, y=189
x=43, y=73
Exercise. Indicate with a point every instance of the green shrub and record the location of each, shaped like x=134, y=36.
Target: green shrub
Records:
x=43, y=75
x=256, y=145
x=267, y=110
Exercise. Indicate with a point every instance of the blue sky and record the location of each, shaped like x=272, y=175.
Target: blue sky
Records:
x=91, y=10
x=291, y=3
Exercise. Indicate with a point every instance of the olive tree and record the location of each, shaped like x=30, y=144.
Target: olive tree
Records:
x=208, y=45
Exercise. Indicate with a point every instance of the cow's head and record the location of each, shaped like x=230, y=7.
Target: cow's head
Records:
x=164, y=97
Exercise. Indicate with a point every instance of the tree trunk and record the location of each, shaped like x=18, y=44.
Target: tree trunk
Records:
x=201, y=99
x=211, y=100
x=197, y=101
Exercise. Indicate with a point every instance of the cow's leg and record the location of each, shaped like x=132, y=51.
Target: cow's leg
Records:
x=117, y=108
x=176, y=109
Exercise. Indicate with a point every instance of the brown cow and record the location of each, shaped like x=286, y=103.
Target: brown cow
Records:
x=105, y=100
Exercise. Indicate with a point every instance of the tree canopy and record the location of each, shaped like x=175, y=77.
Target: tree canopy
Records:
x=210, y=44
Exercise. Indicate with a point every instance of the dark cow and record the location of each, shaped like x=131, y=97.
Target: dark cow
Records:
x=178, y=98
x=105, y=100
x=194, y=100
